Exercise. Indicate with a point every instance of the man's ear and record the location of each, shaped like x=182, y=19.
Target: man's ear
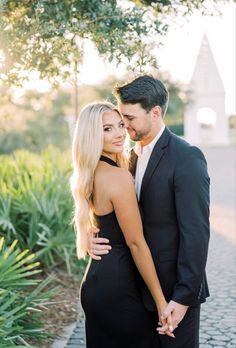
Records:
x=156, y=111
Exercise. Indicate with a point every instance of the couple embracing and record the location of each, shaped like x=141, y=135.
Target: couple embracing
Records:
x=146, y=280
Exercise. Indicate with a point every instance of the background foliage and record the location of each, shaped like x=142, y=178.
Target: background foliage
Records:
x=23, y=298
x=34, y=120
x=36, y=206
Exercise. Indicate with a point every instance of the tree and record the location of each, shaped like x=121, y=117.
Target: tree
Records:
x=48, y=35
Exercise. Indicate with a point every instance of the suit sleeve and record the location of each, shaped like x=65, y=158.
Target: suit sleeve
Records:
x=191, y=186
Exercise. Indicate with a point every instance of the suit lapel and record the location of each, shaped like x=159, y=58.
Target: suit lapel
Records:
x=155, y=158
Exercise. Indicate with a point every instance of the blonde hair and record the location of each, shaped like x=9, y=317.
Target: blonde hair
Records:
x=87, y=148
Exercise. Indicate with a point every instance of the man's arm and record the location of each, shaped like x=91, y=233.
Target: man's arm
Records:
x=192, y=206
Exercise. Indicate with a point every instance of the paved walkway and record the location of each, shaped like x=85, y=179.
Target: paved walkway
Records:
x=218, y=315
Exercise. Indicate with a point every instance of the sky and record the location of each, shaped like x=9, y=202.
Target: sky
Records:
x=179, y=52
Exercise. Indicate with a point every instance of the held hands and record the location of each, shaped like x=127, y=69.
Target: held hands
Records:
x=166, y=322
x=97, y=246
x=176, y=312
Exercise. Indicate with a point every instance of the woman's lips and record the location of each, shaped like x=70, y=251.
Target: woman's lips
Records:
x=119, y=143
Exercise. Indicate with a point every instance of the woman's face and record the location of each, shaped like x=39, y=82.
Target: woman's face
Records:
x=114, y=133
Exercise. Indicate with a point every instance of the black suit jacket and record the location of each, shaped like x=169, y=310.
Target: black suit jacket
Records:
x=174, y=203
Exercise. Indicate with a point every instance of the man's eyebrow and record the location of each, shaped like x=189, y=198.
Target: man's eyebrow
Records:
x=127, y=115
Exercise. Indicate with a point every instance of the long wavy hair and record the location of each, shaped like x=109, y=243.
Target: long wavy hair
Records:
x=87, y=148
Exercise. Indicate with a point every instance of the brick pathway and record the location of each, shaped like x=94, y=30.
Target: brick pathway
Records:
x=218, y=315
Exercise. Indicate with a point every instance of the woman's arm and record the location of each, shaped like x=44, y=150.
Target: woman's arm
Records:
x=124, y=201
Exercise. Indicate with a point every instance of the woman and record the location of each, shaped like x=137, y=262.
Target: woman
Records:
x=105, y=197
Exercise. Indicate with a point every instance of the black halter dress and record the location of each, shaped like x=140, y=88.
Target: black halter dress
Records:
x=110, y=296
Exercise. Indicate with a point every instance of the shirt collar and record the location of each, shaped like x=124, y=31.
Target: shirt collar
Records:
x=149, y=147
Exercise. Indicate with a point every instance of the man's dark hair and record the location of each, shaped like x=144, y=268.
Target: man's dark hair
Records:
x=145, y=90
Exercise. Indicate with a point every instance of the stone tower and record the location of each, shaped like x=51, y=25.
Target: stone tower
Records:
x=205, y=121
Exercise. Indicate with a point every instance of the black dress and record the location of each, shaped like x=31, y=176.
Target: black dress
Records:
x=110, y=296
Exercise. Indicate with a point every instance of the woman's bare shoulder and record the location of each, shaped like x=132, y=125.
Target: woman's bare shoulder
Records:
x=121, y=180
x=120, y=174
x=114, y=176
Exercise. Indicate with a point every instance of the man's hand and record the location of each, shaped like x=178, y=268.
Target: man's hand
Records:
x=177, y=312
x=97, y=246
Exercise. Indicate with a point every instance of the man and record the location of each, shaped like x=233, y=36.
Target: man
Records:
x=172, y=186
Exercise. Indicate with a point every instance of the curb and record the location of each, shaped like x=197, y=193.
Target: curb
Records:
x=73, y=335
x=64, y=337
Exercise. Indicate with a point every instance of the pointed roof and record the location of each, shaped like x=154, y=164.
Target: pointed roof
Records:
x=206, y=77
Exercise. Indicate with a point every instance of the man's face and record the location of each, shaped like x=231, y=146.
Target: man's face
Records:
x=137, y=121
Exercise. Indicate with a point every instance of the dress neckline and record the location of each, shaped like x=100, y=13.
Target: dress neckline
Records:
x=108, y=160
x=104, y=215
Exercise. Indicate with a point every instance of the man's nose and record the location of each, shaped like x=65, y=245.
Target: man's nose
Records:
x=126, y=123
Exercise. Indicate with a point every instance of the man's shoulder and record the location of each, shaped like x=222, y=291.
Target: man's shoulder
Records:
x=179, y=141
x=183, y=153
x=181, y=146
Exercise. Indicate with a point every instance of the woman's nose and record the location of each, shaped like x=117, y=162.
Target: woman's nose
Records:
x=120, y=132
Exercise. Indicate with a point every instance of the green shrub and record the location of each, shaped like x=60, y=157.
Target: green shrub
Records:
x=36, y=205
x=22, y=297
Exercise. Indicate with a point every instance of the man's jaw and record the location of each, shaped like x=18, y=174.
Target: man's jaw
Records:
x=132, y=134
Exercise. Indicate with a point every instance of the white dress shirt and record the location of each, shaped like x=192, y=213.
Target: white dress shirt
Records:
x=143, y=158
